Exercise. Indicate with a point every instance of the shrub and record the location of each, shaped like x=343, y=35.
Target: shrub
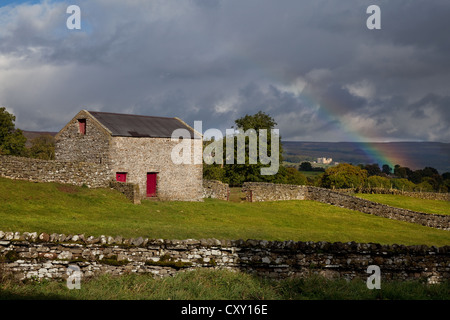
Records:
x=379, y=182
x=403, y=184
x=343, y=175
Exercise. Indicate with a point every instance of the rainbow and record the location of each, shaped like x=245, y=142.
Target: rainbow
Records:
x=378, y=152
x=381, y=153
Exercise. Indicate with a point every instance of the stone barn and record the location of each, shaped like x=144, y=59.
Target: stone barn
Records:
x=135, y=149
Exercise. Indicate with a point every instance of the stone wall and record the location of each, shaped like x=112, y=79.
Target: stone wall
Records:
x=261, y=191
x=216, y=189
x=354, y=203
x=29, y=255
x=91, y=174
x=275, y=192
x=139, y=156
x=130, y=190
x=419, y=195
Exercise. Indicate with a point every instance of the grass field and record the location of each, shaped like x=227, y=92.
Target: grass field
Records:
x=220, y=285
x=55, y=208
x=415, y=204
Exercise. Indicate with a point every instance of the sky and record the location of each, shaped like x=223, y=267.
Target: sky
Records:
x=312, y=65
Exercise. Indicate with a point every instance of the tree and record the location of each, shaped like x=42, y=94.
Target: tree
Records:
x=343, y=175
x=445, y=187
x=429, y=172
x=236, y=174
x=386, y=169
x=424, y=186
x=416, y=176
x=378, y=182
x=402, y=172
x=305, y=166
x=290, y=176
x=372, y=169
x=42, y=147
x=446, y=176
x=403, y=184
x=257, y=121
x=12, y=140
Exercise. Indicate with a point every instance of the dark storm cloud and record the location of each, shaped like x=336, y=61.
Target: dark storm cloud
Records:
x=312, y=65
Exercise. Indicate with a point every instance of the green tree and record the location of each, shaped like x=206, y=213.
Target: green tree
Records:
x=343, y=175
x=403, y=184
x=236, y=174
x=424, y=186
x=402, y=172
x=289, y=175
x=378, y=182
x=12, y=140
x=372, y=169
x=258, y=121
x=446, y=185
x=213, y=172
x=305, y=166
x=42, y=147
x=386, y=169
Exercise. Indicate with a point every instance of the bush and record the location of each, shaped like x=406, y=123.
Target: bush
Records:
x=424, y=187
x=379, y=182
x=343, y=175
x=403, y=184
x=290, y=176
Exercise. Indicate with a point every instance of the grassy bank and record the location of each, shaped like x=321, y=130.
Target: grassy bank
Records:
x=221, y=284
x=55, y=208
x=415, y=204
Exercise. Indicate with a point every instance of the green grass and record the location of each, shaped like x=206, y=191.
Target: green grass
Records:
x=55, y=208
x=236, y=195
x=415, y=204
x=220, y=285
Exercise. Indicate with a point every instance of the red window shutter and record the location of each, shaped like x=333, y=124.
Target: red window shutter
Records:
x=121, y=176
x=82, y=126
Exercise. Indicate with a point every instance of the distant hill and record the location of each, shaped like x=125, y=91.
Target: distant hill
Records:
x=30, y=135
x=415, y=155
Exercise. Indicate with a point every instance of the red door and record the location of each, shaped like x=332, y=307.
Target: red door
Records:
x=151, y=184
x=121, y=176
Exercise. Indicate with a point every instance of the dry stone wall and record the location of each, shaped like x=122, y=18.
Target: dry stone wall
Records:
x=130, y=190
x=76, y=173
x=354, y=203
x=419, y=195
x=216, y=189
x=39, y=256
x=262, y=191
x=274, y=192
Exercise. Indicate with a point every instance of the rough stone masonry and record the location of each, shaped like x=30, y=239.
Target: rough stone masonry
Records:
x=38, y=256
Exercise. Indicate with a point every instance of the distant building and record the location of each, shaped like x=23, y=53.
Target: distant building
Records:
x=324, y=160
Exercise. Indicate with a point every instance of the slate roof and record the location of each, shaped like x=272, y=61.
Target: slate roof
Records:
x=130, y=125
